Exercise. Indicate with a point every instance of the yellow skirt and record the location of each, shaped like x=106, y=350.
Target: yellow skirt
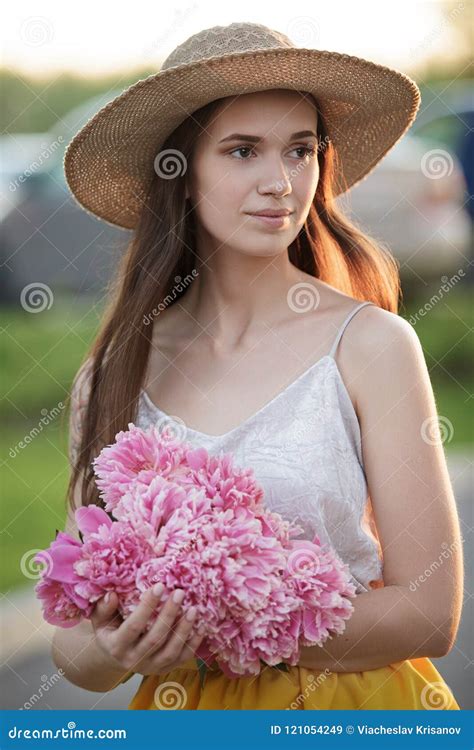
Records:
x=409, y=684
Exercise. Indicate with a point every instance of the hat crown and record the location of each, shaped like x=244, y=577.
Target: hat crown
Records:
x=226, y=40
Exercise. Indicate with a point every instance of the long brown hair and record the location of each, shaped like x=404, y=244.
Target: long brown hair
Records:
x=329, y=247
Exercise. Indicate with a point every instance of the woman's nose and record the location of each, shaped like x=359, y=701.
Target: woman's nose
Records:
x=279, y=183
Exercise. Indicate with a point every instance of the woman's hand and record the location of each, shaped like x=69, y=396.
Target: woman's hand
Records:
x=169, y=642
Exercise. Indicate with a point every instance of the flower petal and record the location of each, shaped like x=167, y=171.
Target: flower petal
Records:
x=90, y=517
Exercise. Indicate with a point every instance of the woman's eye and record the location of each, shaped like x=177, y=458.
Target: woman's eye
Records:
x=241, y=148
x=307, y=151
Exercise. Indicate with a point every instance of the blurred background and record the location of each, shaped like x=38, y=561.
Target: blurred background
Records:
x=60, y=65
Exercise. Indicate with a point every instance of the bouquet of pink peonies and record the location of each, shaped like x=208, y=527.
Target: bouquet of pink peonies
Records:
x=176, y=515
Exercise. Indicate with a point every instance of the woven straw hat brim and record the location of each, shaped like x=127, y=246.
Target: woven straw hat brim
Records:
x=109, y=164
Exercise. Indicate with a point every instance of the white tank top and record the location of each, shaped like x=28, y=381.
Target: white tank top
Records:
x=305, y=449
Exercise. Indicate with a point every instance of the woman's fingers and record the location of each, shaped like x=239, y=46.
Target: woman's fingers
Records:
x=105, y=615
x=170, y=639
x=189, y=649
x=187, y=652
x=171, y=651
x=134, y=625
x=166, y=633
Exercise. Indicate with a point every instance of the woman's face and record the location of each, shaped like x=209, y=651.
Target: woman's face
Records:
x=259, y=152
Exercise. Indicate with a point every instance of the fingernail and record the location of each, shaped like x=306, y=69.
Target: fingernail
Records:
x=107, y=597
x=158, y=589
x=178, y=596
x=190, y=614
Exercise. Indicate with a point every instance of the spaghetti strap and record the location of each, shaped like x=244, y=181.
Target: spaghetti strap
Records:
x=341, y=330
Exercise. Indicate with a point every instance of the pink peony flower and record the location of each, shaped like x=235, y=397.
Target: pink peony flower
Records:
x=111, y=558
x=177, y=515
x=60, y=557
x=61, y=604
x=137, y=455
x=320, y=579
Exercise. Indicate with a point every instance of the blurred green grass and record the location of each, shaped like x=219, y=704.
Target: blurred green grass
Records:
x=41, y=354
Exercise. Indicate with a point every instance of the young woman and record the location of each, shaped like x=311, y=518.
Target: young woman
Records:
x=252, y=315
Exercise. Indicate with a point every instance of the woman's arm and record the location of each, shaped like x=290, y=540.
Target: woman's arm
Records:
x=418, y=611
x=385, y=627
x=97, y=655
x=75, y=650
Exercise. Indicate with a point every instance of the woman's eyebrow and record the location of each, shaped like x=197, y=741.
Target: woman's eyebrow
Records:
x=257, y=139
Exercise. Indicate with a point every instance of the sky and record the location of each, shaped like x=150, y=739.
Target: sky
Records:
x=93, y=37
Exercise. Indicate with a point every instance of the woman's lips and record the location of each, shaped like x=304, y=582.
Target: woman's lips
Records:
x=272, y=221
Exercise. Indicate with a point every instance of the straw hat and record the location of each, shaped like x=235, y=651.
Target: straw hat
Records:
x=367, y=107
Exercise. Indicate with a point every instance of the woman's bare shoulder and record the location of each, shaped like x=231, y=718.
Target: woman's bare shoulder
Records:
x=376, y=332
x=381, y=345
